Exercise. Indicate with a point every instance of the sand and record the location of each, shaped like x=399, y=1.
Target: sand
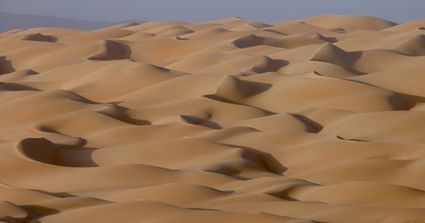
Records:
x=319, y=119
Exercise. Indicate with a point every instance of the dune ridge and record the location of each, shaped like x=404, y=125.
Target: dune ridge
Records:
x=318, y=119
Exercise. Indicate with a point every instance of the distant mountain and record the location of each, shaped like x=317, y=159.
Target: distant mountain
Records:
x=10, y=21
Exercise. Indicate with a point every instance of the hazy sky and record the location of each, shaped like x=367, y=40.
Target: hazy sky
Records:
x=200, y=10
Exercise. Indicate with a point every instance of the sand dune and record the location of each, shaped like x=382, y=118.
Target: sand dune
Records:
x=319, y=119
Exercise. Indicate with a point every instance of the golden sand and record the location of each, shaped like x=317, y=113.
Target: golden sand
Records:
x=319, y=119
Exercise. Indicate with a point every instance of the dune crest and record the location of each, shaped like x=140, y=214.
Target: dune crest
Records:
x=318, y=119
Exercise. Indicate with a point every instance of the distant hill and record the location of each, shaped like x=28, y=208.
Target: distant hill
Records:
x=13, y=21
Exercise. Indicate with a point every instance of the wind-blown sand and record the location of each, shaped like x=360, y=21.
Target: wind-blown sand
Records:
x=313, y=120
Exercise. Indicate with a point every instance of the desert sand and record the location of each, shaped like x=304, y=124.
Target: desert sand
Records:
x=320, y=119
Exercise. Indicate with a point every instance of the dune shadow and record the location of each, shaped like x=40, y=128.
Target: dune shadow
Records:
x=263, y=160
x=55, y=194
x=7, y=86
x=40, y=37
x=200, y=121
x=113, y=50
x=310, y=125
x=35, y=212
x=5, y=66
x=45, y=151
x=121, y=113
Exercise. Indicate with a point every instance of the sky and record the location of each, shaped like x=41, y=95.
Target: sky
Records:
x=203, y=10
